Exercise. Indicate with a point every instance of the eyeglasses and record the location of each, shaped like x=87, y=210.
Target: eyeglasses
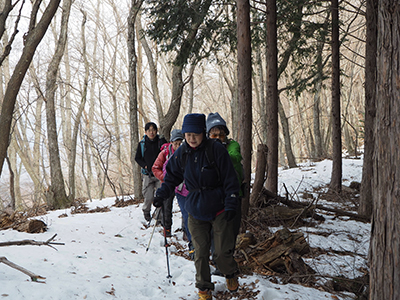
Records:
x=216, y=136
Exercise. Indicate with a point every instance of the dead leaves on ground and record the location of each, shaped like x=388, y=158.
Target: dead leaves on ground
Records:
x=20, y=221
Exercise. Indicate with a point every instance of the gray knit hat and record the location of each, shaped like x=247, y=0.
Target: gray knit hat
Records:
x=176, y=134
x=214, y=119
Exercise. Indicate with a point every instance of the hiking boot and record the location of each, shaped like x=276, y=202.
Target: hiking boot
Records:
x=147, y=216
x=167, y=232
x=232, y=284
x=191, y=251
x=205, y=295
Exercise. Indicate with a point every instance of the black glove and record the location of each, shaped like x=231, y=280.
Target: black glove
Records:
x=158, y=201
x=229, y=215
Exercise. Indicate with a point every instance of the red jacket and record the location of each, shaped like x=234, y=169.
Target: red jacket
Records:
x=158, y=164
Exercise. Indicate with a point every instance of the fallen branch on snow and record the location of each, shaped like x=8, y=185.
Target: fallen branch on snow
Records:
x=32, y=242
x=33, y=276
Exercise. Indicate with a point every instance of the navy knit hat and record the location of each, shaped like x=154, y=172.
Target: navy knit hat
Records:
x=214, y=119
x=176, y=134
x=195, y=123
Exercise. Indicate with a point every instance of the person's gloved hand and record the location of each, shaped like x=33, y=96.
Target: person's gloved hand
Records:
x=158, y=201
x=229, y=215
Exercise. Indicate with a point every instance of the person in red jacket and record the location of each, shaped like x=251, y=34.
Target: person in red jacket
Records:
x=158, y=170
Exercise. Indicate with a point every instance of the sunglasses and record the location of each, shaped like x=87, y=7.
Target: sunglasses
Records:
x=215, y=136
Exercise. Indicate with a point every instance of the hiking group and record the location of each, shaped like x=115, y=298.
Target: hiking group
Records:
x=202, y=168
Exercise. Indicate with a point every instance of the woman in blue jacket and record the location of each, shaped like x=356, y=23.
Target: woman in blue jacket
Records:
x=211, y=202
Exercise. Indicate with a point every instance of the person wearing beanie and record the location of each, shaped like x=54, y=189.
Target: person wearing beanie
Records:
x=180, y=192
x=217, y=129
x=158, y=170
x=211, y=203
x=146, y=153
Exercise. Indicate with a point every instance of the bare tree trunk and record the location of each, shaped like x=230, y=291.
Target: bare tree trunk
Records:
x=262, y=96
x=32, y=40
x=336, y=177
x=272, y=98
x=244, y=95
x=133, y=101
x=261, y=174
x=117, y=143
x=319, y=153
x=89, y=150
x=179, y=63
x=170, y=117
x=305, y=128
x=58, y=197
x=191, y=95
x=286, y=134
x=232, y=86
x=74, y=139
x=7, y=7
x=153, y=72
x=38, y=194
x=66, y=101
x=385, y=242
x=142, y=118
x=366, y=204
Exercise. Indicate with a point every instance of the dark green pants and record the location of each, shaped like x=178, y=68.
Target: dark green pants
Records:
x=223, y=240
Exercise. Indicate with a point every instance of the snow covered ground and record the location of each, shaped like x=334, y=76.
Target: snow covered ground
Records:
x=104, y=256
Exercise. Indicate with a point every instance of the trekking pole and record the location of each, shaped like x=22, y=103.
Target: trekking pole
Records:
x=154, y=228
x=166, y=244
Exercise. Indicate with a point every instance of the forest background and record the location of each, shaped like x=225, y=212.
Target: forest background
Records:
x=80, y=78
x=74, y=103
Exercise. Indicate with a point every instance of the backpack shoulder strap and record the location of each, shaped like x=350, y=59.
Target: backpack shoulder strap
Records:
x=169, y=148
x=159, y=142
x=183, y=156
x=142, y=146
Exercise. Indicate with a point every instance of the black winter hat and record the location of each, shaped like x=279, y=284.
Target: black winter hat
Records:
x=195, y=123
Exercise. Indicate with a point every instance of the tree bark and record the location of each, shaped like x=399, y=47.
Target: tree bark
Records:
x=133, y=100
x=286, y=134
x=7, y=8
x=35, y=164
x=318, y=148
x=385, y=242
x=272, y=98
x=244, y=72
x=81, y=107
x=152, y=71
x=261, y=174
x=32, y=40
x=336, y=177
x=58, y=197
x=366, y=204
